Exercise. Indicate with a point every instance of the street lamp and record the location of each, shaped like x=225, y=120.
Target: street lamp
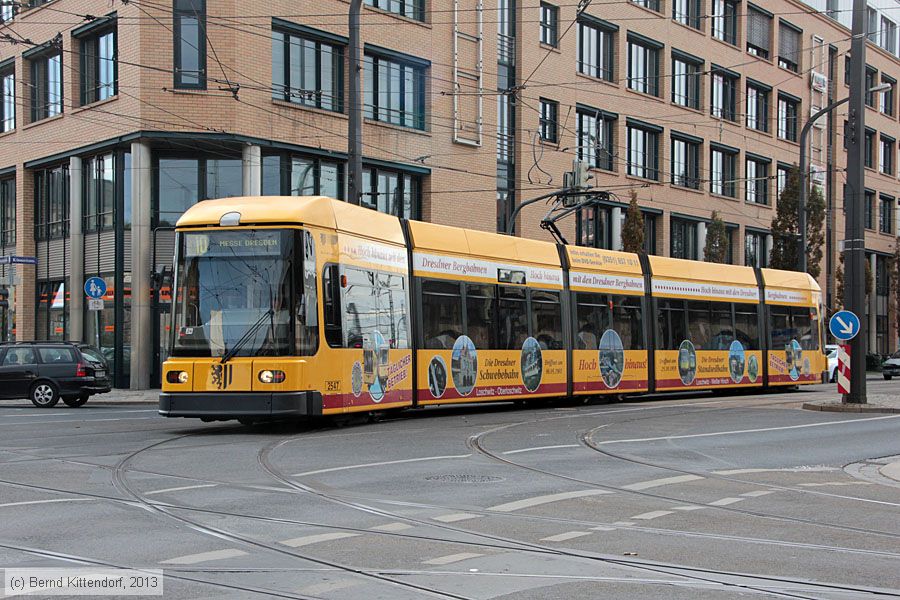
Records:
x=804, y=167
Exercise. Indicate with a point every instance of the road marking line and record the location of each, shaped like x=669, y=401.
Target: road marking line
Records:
x=328, y=586
x=646, y=485
x=726, y=501
x=783, y=470
x=538, y=500
x=392, y=527
x=77, y=421
x=652, y=515
x=603, y=528
x=623, y=523
x=562, y=537
x=541, y=448
x=193, y=559
x=834, y=483
x=454, y=517
x=178, y=489
x=451, y=558
x=45, y=501
x=762, y=429
x=380, y=464
x=758, y=493
x=688, y=507
x=308, y=540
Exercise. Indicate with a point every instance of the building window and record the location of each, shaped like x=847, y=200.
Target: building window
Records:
x=886, y=155
x=685, y=162
x=46, y=86
x=886, y=214
x=788, y=110
x=687, y=12
x=596, y=50
x=413, y=9
x=724, y=17
x=869, y=148
x=889, y=35
x=649, y=233
x=52, y=311
x=872, y=24
x=394, y=91
x=686, y=74
x=290, y=175
x=183, y=180
x=757, y=107
x=871, y=81
x=781, y=178
x=548, y=123
x=51, y=203
x=759, y=32
x=643, y=66
x=790, y=45
x=8, y=212
x=99, y=192
x=869, y=202
x=593, y=227
x=757, y=180
x=307, y=71
x=8, y=118
x=98, y=66
x=723, y=97
x=723, y=171
x=596, y=138
x=887, y=96
x=683, y=242
x=549, y=24
x=391, y=192
x=8, y=11
x=755, y=254
x=651, y=4
x=190, y=44
x=643, y=152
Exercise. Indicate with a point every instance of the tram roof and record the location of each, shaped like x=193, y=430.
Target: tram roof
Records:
x=694, y=270
x=318, y=211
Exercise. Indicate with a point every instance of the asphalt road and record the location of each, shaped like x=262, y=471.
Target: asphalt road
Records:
x=692, y=497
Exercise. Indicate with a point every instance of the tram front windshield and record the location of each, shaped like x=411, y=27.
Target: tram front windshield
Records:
x=233, y=293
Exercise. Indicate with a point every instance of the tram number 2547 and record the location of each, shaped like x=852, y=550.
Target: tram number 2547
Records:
x=333, y=386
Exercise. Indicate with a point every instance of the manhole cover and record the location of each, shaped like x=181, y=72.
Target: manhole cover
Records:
x=457, y=478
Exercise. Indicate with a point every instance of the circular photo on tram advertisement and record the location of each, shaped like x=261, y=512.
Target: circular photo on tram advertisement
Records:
x=532, y=364
x=356, y=379
x=464, y=365
x=687, y=362
x=753, y=368
x=376, y=358
x=736, y=361
x=793, y=355
x=612, y=359
x=437, y=376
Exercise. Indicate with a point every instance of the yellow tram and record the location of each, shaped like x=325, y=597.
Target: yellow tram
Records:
x=310, y=306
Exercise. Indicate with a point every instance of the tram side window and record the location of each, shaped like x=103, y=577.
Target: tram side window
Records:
x=392, y=322
x=441, y=314
x=746, y=325
x=331, y=306
x=671, y=324
x=720, y=325
x=307, y=309
x=513, y=318
x=360, y=306
x=546, y=319
x=628, y=321
x=481, y=314
x=803, y=327
x=782, y=330
x=592, y=314
x=698, y=324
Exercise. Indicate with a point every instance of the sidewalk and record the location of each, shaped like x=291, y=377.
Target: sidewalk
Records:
x=891, y=471
x=114, y=398
x=876, y=403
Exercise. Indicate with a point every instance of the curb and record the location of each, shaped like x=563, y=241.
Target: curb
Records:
x=851, y=408
x=891, y=471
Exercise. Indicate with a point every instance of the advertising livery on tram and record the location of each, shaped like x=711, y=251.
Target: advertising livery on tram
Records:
x=301, y=307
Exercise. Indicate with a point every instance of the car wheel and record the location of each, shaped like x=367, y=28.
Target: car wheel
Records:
x=77, y=401
x=888, y=377
x=44, y=394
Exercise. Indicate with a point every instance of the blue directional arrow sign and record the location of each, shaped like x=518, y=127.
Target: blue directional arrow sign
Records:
x=95, y=287
x=844, y=325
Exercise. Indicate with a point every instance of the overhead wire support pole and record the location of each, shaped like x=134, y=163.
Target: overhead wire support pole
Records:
x=354, y=126
x=855, y=242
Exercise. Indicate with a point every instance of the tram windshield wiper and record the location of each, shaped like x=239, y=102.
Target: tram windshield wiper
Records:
x=268, y=315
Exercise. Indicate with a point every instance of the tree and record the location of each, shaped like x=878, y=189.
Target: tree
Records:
x=786, y=225
x=633, y=227
x=716, y=250
x=839, y=282
x=815, y=231
x=894, y=269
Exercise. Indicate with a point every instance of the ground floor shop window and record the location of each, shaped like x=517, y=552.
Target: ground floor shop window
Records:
x=52, y=311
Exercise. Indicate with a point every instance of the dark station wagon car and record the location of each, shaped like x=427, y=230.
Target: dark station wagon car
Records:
x=46, y=372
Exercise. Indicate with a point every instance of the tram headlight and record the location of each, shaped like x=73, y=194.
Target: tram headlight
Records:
x=272, y=376
x=177, y=377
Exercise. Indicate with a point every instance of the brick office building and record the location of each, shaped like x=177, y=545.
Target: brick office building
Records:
x=118, y=116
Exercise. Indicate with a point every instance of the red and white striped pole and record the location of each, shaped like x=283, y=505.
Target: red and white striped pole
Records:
x=843, y=369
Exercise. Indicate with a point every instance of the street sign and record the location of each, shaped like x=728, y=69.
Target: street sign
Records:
x=95, y=287
x=95, y=303
x=18, y=260
x=844, y=325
